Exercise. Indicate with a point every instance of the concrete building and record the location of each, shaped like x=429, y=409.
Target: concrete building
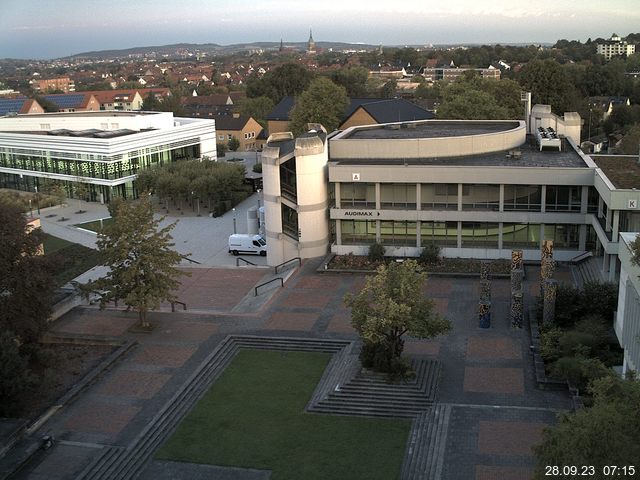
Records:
x=449, y=74
x=627, y=319
x=102, y=149
x=64, y=84
x=614, y=47
x=478, y=189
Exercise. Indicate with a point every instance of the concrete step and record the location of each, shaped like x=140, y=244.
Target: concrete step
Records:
x=366, y=412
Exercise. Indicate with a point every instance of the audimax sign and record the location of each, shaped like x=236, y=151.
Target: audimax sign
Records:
x=361, y=213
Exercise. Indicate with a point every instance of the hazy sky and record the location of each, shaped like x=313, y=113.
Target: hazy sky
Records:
x=54, y=28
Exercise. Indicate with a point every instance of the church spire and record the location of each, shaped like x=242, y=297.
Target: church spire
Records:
x=311, y=44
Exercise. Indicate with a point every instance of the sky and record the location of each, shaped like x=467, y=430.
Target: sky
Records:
x=54, y=28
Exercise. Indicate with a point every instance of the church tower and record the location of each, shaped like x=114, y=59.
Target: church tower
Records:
x=311, y=45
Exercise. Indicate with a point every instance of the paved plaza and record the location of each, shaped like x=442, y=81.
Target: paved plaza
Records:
x=497, y=411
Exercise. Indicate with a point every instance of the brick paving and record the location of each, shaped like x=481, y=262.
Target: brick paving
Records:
x=494, y=380
x=497, y=411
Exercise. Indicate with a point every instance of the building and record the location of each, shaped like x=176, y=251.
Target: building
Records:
x=245, y=129
x=102, y=149
x=627, y=318
x=125, y=100
x=607, y=104
x=451, y=73
x=20, y=105
x=478, y=189
x=311, y=44
x=614, y=47
x=64, y=84
x=359, y=111
x=74, y=102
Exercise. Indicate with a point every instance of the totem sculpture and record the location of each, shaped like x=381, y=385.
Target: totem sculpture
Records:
x=549, y=302
x=484, y=306
x=517, y=277
x=547, y=264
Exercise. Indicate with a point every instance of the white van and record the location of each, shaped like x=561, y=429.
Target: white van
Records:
x=243, y=243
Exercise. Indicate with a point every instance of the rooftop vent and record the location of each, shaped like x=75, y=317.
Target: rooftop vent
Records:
x=547, y=137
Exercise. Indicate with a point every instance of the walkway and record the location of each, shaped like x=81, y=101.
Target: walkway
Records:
x=494, y=412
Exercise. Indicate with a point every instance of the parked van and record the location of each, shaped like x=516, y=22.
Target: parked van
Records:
x=244, y=243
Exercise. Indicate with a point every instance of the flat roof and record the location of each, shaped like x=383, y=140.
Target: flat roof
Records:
x=87, y=133
x=431, y=129
x=622, y=170
x=530, y=156
x=97, y=113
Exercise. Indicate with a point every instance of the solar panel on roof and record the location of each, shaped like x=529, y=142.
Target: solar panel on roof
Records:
x=11, y=105
x=66, y=101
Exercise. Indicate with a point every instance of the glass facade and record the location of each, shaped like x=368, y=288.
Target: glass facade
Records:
x=522, y=198
x=288, y=183
x=290, y=221
x=398, y=233
x=565, y=237
x=444, y=234
x=358, y=232
x=481, y=197
x=480, y=235
x=358, y=195
x=522, y=235
x=439, y=196
x=401, y=196
x=563, y=199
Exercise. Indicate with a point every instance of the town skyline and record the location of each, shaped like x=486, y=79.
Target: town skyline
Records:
x=31, y=29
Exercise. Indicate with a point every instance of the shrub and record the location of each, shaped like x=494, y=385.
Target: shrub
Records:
x=257, y=168
x=233, y=144
x=378, y=357
x=376, y=252
x=549, y=349
x=16, y=379
x=221, y=149
x=430, y=254
x=580, y=371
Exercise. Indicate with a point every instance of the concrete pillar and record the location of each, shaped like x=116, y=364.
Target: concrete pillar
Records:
x=584, y=200
x=549, y=302
x=501, y=203
x=607, y=223
x=600, y=206
x=500, y=227
x=582, y=239
x=615, y=225
x=459, y=197
x=543, y=198
x=459, y=234
x=418, y=197
x=272, y=206
x=613, y=268
x=338, y=232
x=378, y=200
x=337, y=194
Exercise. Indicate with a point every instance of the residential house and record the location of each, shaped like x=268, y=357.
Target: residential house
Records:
x=74, y=102
x=607, y=104
x=243, y=128
x=45, y=85
x=118, y=99
x=614, y=47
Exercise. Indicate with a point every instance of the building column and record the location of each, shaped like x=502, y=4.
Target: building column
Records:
x=584, y=199
x=582, y=238
x=543, y=198
x=338, y=231
x=459, y=235
x=542, y=239
x=336, y=192
x=615, y=225
x=600, y=204
x=459, y=199
x=418, y=197
x=418, y=239
x=607, y=221
x=500, y=226
x=613, y=267
x=378, y=200
x=605, y=262
x=501, y=201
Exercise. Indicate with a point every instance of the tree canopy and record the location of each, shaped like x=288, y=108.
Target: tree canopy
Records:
x=287, y=80
x=549, y=84
x=353, y=79
x=608, y=433
x=142, y=263
x=391, y=304
x=323, y=102
x=26, y=281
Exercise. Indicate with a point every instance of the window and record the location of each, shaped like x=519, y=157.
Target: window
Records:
x=45, y=126
x=523, y=197
x=290, y=222
x=220, y=137
x=358, y=232
x=439, y=196
x=288, y=182
x=398, y=233
x=401, y=196
x=565, y=237
x=521, y=235
x=229, y=136
x=480, y=235
x=357, y=195
x=444, y=234
x=563, y=199
x=481, y=197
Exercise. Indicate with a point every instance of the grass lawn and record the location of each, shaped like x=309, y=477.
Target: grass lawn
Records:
x=95, y=225
x=72, y=259
x=253, y=417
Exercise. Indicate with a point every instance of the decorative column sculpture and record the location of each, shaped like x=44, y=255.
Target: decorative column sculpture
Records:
x=517, y=277
x=549, y=302
x=484, y=307
x=547, y=264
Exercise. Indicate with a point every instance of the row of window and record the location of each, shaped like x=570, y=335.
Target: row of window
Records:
x=444, y=196
x=472, y=234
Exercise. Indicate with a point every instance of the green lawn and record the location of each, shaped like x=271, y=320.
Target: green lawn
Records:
x=253, y=417
x=71, y=259
x=95, y=225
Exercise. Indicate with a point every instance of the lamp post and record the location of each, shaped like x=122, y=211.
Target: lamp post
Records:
x=234, y=221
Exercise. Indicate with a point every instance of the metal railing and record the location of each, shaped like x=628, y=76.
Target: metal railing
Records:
x=245, y=261
x=298, y=259
x=173, y=305
x=255, y=290
x=185, y=257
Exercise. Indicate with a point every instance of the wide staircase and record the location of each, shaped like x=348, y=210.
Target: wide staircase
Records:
x=588, y=270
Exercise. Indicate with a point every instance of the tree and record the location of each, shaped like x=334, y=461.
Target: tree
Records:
x=353, y=79
x=16, y=378
x=141, y=261
x=388, y=90
x=606, y=434
x=258, y=108
x=471, y=105
x=221, y=149
x=391, y=304
x=549, y=84
x=233, y=144
x=286, y=80
x=323, y=102
x=26, y=281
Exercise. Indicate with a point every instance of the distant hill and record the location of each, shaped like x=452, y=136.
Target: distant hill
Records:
x=213, y=48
